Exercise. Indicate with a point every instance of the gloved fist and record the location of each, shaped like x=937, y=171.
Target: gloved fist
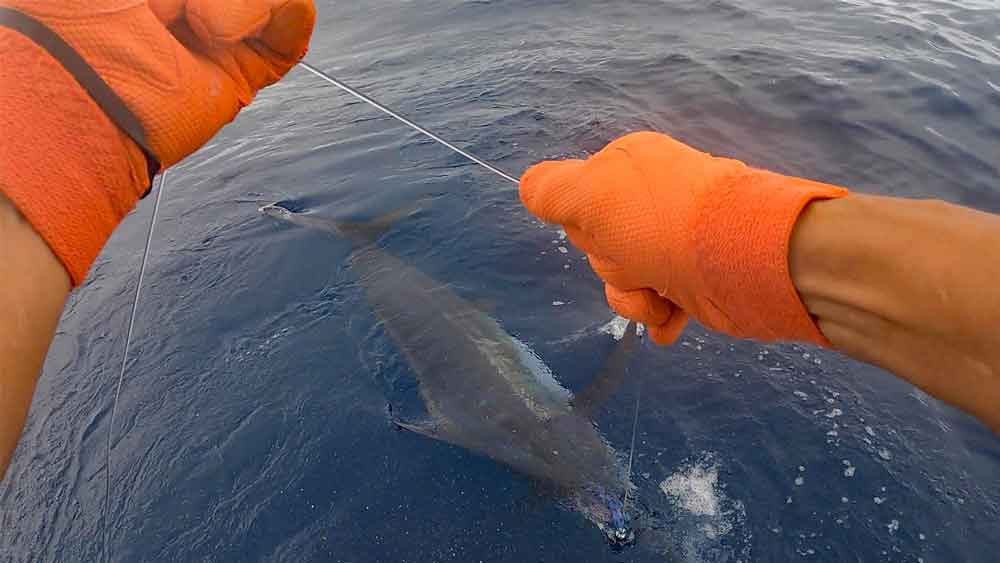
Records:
x=178, y=70
x=675, y=232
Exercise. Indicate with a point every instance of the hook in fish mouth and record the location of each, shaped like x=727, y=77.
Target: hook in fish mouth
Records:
x=618, y=529
x=620, y=537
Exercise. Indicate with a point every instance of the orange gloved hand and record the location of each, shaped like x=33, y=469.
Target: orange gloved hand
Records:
x=675, y=232
x=183, y=68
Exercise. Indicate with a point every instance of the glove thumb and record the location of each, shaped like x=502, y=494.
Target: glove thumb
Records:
x=283, y=26
x=550, y=190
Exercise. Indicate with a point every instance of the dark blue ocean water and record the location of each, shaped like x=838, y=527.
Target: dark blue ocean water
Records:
x=253, y=420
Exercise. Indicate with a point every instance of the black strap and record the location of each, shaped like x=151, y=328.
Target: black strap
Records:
x=92, y=82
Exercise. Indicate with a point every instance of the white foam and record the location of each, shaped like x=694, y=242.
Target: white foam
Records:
x=709, y=524
x=694, y=490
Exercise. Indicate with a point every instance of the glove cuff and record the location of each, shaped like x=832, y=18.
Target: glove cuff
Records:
x=65, y=165
x=743, y=245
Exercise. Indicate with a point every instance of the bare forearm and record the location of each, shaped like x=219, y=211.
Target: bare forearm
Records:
x=910, y=286
x=33, y=290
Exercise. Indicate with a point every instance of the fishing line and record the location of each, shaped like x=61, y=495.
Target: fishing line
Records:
x=631, y=453
x=121, y=375
x=384, y=109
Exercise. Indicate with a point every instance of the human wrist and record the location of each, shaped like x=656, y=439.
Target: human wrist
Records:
x=876, y=256
x=819, y=245
x=844, y=259
x=841, y=251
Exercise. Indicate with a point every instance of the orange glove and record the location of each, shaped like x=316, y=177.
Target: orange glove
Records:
x=183, y=68
x=675, y=232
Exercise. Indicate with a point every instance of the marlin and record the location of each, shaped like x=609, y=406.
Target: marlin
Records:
x=486, y=391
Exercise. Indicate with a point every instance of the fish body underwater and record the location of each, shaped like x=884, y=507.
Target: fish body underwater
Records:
x=485, y=390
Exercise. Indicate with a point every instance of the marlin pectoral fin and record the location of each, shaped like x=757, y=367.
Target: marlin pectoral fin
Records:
x=611, y=376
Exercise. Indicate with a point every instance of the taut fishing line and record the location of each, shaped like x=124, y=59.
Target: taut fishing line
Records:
x=631, y=451
x=384, y=109
x=121, y=375
x=149, y=239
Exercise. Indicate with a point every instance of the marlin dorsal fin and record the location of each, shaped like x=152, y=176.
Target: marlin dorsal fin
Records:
x=370, y=231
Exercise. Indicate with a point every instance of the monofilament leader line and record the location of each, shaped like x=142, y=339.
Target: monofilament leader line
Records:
x=121, y=374
x=149, y=239
x=384, y=109
x=631, y=452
